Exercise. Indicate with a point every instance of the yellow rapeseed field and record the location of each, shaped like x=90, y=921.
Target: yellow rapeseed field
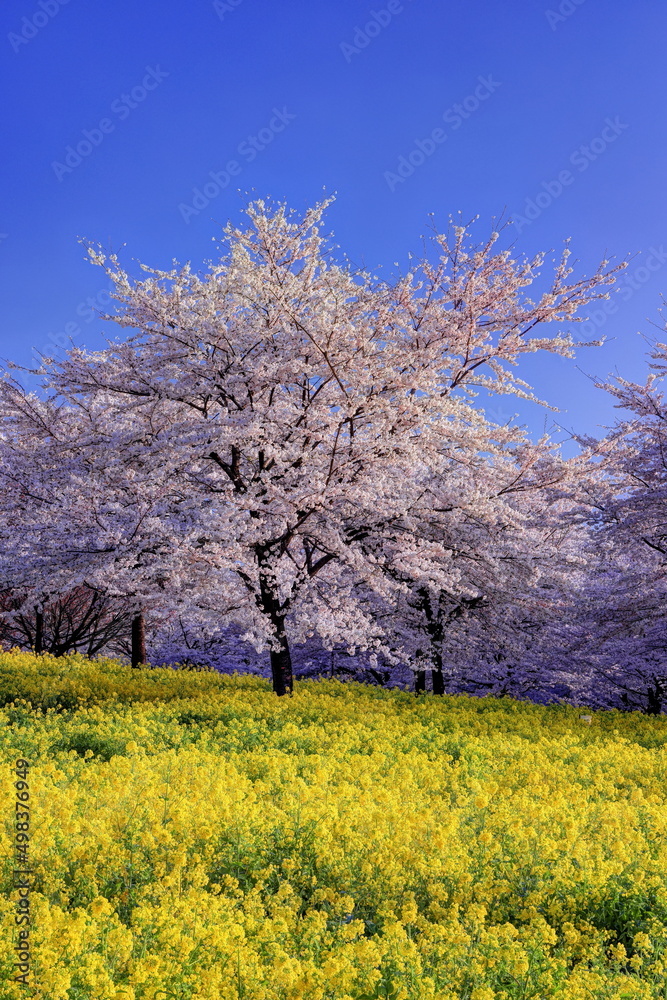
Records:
x=194, y=837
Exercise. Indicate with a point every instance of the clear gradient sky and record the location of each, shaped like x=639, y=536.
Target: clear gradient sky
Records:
x=151, y=124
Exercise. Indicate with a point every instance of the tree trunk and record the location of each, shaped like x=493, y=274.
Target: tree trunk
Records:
x=138, y=640
x=39, y=632
x=438, y=679
x=420, y=681
x=437, y=675
x=434, y=630
x=281, y=662
x=654, y=698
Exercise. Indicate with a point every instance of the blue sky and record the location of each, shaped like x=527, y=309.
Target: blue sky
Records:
x=117, y=113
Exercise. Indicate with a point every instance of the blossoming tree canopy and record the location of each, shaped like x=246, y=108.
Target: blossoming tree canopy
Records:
x=620, y=613
x=302, y=396
x=87, y=504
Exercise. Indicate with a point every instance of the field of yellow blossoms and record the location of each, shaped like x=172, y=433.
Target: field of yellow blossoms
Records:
x=194, y=837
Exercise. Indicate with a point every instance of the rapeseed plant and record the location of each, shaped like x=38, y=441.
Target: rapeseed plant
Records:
x=194, y=837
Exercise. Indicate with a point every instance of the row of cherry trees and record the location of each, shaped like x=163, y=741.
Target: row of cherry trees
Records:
x=290, y=448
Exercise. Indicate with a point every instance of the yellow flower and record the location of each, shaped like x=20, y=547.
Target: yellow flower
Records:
x=100, y=907
x=326, y=820
x=642, y=942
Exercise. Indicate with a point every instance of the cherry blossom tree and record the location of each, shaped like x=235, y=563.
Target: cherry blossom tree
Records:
x=503, y=525
x=300, y=397
x=619, y=617
x=86, y=513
